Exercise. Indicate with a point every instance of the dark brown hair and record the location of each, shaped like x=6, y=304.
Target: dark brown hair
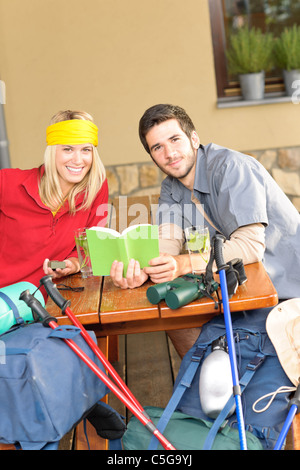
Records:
x=160, y=113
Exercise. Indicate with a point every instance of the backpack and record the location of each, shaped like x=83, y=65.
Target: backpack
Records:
x=45, y=388
x=185, y=432
x=260, y=373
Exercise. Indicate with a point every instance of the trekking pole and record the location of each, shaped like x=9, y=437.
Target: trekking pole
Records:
x=221, y=266
x=294, y=408
x=47, y=320
x=64, y=305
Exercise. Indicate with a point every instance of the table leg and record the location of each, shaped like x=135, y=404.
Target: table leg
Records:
x=296, y=432
x=113, y=348
x=7, y=447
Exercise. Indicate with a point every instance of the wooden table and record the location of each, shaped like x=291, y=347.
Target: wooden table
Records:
x=111, y=311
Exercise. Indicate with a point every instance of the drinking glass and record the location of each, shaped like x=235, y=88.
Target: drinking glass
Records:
x=83, y=253
x=198, y=244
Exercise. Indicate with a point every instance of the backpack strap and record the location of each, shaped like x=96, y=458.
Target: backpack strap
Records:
x=184, y=383
x=64, y=332
x=251, y=368
x=14, y=308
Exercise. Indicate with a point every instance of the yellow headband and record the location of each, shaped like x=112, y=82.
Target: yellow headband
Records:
x=72, y=132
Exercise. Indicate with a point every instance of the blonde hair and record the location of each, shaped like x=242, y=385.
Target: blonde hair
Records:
x=49, y=188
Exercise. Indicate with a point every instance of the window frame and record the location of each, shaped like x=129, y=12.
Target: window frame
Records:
x=228, y=88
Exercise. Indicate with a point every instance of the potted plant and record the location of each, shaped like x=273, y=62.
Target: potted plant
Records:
x=287, y=56
x=249, y=56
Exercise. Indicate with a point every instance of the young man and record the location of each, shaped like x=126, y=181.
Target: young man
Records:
x=228, y=191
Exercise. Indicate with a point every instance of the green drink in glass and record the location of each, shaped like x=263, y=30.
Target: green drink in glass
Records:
x=198, y=244
x=83, y=253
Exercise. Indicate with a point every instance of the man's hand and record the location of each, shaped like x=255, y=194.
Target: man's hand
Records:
x=72, y=266
x=166, y=267
x=135, y=276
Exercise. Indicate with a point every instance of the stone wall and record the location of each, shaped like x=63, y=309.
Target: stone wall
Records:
x=284, y=166
x=145, y=178
x=137, y=179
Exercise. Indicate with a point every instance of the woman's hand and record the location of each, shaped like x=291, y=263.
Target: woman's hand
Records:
x=72, y=266
x=135, y=276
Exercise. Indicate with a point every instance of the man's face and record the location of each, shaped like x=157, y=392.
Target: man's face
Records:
x=173, y=151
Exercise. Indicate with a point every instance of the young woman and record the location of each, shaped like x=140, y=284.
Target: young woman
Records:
x=41, y=208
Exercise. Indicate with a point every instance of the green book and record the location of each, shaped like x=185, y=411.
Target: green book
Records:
x=139, y=242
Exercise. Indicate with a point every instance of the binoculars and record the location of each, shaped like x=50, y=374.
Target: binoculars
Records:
x=181, y=290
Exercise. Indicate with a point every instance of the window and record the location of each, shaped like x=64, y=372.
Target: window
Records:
x=228, y=15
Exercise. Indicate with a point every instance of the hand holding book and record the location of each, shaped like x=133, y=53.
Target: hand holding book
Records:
x=135, y=276
x=138, y=242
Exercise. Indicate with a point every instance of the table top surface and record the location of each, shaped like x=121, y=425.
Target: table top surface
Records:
x=102, y=303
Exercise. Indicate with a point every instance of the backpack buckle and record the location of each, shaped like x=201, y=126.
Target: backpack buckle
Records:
x=198, y=354
x=256, y=362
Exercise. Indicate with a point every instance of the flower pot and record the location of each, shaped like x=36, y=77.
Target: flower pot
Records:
x=252, y=85
x=289, y=77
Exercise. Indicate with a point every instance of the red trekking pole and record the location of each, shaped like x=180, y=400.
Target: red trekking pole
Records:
x=37, y=308
x=64, y=305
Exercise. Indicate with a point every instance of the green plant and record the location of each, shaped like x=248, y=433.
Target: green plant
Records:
x=287, y=49
x=250, y=51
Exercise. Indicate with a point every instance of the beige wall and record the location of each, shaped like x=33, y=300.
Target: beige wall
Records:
x=114, y=58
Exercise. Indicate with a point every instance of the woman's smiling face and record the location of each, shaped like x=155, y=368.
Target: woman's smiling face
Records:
x=73, y=162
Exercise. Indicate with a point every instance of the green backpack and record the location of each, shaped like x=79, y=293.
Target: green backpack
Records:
x=185, y=433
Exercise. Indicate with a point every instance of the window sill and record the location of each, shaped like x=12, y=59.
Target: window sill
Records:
x=270, y=98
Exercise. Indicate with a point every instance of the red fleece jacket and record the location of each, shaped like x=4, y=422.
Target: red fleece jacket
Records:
x=28, y=231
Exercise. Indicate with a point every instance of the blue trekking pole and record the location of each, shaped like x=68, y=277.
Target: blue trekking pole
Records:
x=294, y=408
x=221, y=266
